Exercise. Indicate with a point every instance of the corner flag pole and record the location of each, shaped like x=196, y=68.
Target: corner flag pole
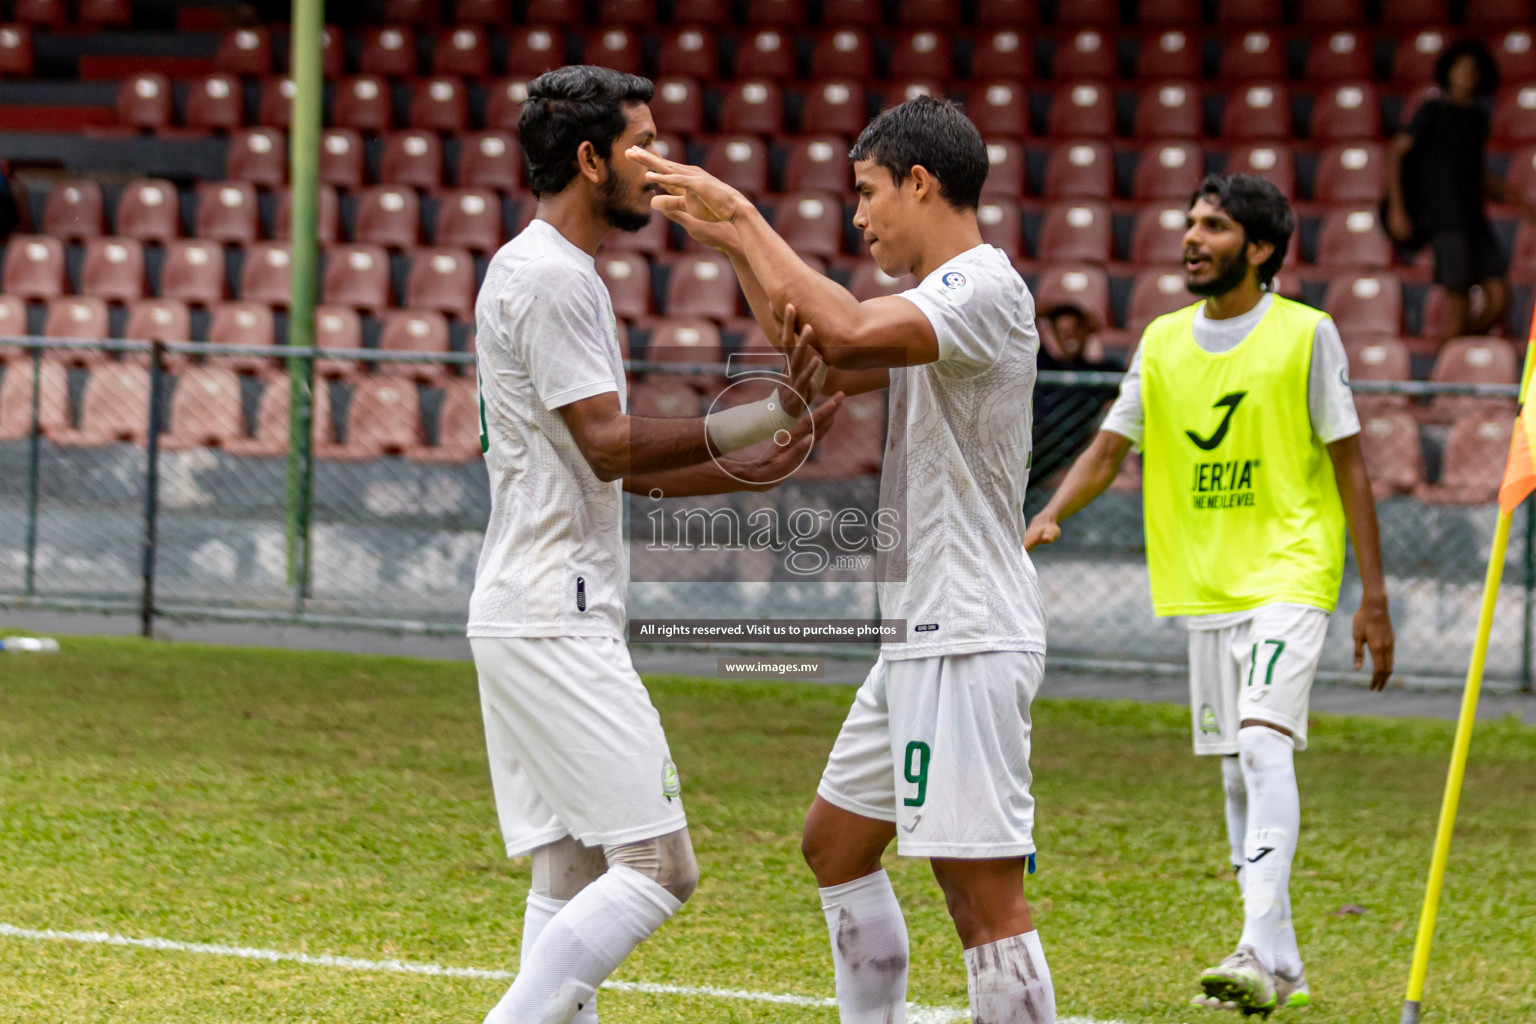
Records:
x=1519, y=481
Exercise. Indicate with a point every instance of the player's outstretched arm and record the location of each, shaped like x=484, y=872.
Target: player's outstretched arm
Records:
x=1093, y=471
x=1373, y=622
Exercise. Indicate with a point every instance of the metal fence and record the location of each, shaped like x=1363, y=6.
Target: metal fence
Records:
x=159, y=479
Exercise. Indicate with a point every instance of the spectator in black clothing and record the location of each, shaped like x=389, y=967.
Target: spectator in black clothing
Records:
x=1066, y=415
x=1438, y=184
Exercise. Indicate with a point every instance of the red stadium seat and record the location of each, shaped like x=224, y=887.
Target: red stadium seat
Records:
x=1079, y=170
x=412, y=12
x=843, y=53
x=259, y=156
x=819, y=162
x=1350, y=173
x=837, y=107
x=1089, y=12
x=664, y=398
x=205, y=410
x=470, y=218
x=108, y=14
x=356, y=276
x=333, y=52
x=1007, y=12
x=1083, y=110
x=1342, y=55
x=1514, y=116
x=852, y=12
x=274, y=106
x=338, y=327
x=686, y=341
x=214, y=102
x=412, y=158
x=534, y=49
x=504, y=103
x=785, y=13
x=76, y=316
x=1005, y=172
x=1416, y=12
x=1353, y=238
x=389, y=50
x=855, y=443
x=1172, y=54
x=1370, y=302
x=1479, y=12
x=1472, y=466
x=1258, y=54
x=246, y=51
x=1157, y=237
x=766, y=53
x=615, y=47
x=1168, y=12
x=144, y=101
x=363, y=102
x=1346, y=113
x=272, y=418
x=702, y=285
x=998, y=108
x=1076, y=232
x=489, y=160
x=1374, y=358
x=248, y=325
x=74, y=210
x=868, y=281
x=752, y=107
x=341, y=158
x=114, y=269
x=158, y=320
x=811, y=222
x=1258, y=111
x=909, y=89
x=678, y=106
x=1154, y=293
x=1003, y=53
x=628, y=278
x=439, y=104
x=637, y=13
x=114, y=407
x=384, y=418
x=194, y=272
x=928, y=13
x=740, y=161
x=1389, y=440
x=329, y=216
x=687, y=53
x=1171, y=110
x=1515, y=52
x=34, y=267
x=1472, y=361
x=1089, y=53
x=458, y=431
x=484, y=12
x=1523, y=262
x=1250, y=12
x=1413, y=59
x=414, y=330
x=266, y=274
x=52, y=14
x=442, y=279
x=1271, y=160
x=387, y=215
x=16, y=51
x=226, y=211
x=922, y=54
x=1169, y=170
x=1082, y=285
x=16, y=400
x=465, y=50
x=1332, y=12
x=149, y=210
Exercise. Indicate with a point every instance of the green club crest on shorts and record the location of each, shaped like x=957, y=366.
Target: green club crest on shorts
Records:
x=1208, y=721
x=671, y=785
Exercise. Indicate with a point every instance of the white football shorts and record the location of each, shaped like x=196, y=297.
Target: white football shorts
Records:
x=1258, y=669
x=940, y=747
x=576, y=746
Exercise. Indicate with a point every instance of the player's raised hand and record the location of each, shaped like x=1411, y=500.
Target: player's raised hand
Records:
x=692, y=189
x=807, y=373
x=1042, y=530
x=714, y=233
x=1373, y=629
x=779, y=462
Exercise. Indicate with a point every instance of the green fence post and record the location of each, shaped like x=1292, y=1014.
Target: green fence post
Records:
x=304, y=173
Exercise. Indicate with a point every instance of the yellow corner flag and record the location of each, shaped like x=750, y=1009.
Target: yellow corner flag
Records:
x=1519, y=482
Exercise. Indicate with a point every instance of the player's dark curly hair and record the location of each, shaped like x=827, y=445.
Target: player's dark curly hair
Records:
x=1259, y=207
x=1487, y=67
x=933, y=134
x=569, y=106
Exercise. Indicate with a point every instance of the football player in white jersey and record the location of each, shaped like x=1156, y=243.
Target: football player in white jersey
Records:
x=935, y=751
x=580, y=766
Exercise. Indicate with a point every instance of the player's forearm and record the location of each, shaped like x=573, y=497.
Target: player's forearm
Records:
x=631, y=445
x=769, y=320
x=786, y=279
x=1360, y=514
x=1395, y=154
x=1091, y=473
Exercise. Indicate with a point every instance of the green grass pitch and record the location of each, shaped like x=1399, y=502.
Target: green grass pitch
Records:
x=336, y=804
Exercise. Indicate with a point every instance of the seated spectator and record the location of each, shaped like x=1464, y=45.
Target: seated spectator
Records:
x=1066, y=415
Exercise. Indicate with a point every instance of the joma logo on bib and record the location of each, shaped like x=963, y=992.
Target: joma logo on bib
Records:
x=1231, y=402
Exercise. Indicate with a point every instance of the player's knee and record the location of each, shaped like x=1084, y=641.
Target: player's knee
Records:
x=666, y=860
x=1264, y=746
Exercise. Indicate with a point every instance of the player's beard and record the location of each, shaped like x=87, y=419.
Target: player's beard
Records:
x=610, y=196
x=1229, y=274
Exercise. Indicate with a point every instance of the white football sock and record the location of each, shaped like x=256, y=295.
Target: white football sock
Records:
x=581, y=945
x=1274, y=818
x=541, y=910
x=1236, y=791
x=869, y=950
x=1010, y=982
x=1287, y=952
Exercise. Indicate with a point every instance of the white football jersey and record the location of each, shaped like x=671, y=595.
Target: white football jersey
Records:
x=554, y=561
x=957, y=463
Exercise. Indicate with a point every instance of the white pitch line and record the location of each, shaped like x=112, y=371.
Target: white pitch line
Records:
x=916, y=1012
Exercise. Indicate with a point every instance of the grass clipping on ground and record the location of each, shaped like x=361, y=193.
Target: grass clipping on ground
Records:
x=337, y=804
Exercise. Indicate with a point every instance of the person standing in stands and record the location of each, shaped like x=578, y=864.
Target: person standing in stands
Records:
x=1438, y=184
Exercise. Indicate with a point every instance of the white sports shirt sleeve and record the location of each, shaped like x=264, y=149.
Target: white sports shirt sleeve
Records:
x=956, y=467
x=554, y=561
